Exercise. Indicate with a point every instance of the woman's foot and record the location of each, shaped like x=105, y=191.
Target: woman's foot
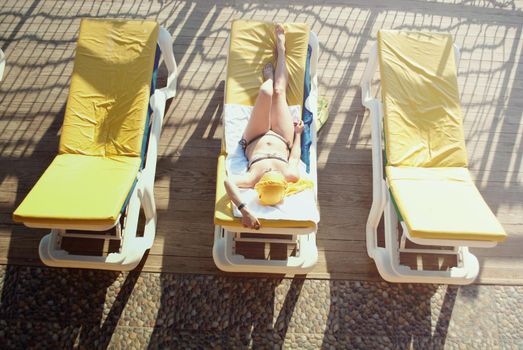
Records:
x=268, y=72
x=280, y=38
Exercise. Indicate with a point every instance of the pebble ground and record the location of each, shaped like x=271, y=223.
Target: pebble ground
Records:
x=67, y=308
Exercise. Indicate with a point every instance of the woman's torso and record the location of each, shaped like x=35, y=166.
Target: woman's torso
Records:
x=269, y=152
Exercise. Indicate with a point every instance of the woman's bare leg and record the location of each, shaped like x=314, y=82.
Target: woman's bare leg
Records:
x=260, y=121
x=281, y=119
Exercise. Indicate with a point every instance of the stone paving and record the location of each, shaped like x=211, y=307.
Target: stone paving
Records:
x=66, y=308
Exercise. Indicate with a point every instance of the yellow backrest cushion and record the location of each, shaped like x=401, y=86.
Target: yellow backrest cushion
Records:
x=252, y=45
x=423, y=122
x=106, y=111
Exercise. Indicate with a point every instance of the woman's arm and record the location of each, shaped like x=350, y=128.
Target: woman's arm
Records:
x=231, y=186
x=293, y=173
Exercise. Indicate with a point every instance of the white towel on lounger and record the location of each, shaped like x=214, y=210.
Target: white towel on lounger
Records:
x=301, y=206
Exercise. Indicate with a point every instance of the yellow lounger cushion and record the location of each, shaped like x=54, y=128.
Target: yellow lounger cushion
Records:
x=224, y=216
x=110, y=86
x=79, y=189
x=252, y=45
x=442, y=203
x=423, y=121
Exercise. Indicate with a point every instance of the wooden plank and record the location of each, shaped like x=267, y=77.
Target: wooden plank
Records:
x=40, y=44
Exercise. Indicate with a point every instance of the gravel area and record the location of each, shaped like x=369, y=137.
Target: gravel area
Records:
x=67, y=308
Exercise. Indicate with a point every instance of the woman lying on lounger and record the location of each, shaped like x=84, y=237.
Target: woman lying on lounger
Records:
x=271, y=141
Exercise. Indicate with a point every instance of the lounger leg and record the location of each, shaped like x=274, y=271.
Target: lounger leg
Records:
x=149, y=208
x=391, y=229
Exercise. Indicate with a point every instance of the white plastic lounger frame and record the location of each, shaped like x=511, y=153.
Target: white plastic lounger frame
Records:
x=132, y=246
x=387, y=258
x=225, y=237
x=2, y=64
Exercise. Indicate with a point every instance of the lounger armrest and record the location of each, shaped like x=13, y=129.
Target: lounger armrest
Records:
x=366, y=92
x=165, y=41
x=378, y=183
x=157, y=102
x=457, y=55
x=2, y=64
x=376, y=114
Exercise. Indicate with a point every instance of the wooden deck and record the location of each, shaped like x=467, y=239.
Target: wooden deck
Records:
x=39, y=37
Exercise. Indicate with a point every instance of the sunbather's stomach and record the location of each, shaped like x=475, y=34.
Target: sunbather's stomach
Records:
x=262, y=166
x=267, y=144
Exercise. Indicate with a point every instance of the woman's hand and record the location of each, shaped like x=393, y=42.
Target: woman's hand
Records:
x=249, y=220
x=298, y=127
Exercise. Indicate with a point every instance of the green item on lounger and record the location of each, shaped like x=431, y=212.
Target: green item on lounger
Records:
x=323, y=111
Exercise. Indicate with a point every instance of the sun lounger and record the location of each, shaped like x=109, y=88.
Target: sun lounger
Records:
x=251, y=45
x=423, y=181
x=105, y=168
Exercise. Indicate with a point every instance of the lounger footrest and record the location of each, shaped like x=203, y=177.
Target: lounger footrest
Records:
x=442, y=204
x=78, y=190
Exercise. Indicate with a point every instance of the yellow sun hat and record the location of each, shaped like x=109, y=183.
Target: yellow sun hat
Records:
x=271, y=188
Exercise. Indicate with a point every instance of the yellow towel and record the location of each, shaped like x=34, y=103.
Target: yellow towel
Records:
x=298, y=186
